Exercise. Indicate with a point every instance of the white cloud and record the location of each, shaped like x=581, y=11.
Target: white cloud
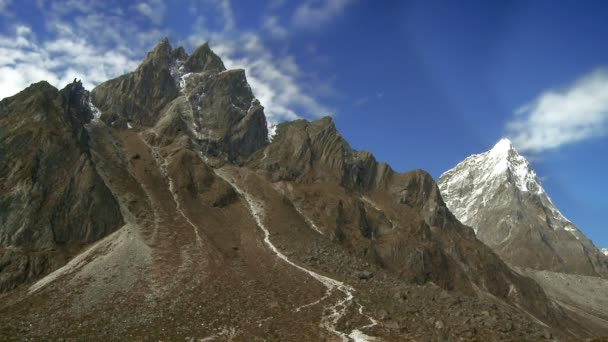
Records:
x=23, y=30
x=226, y=10
x=272, y=26
x=153, y=9
x=24, y=61
x=103, y=23
x=85, y=41
x=313, y=14
x=561, y=117
x=274, y=83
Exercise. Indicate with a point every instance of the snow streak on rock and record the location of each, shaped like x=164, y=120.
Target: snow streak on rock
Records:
x=96, y=112
x=163, y=165
x=336, y=311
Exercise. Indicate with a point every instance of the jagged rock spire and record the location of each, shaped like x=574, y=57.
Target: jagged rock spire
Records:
x=203, y=59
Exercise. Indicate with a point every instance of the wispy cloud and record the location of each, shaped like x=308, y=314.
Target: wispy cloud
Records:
x=85, y=40
x=561, y=117
x=153, y=9
x=273, y=27
x=274, y=83
x=314, y=14
x=82, y=40
x=365, y=100
x=24, y=61
x=276, y=80
x=225, y=7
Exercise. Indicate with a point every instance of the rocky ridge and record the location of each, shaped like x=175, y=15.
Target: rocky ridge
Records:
x=174, y=92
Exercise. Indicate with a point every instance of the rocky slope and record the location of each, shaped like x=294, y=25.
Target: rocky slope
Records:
x=224, y=235
x=499, y=195
x=52, y=199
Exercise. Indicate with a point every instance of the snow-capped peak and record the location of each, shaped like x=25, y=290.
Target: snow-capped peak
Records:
x=502, y=147
x=474, y=183
x=502, y=161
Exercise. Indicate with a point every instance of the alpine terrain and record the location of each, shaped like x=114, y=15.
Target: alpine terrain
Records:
x=158, y=207
x=499, y=195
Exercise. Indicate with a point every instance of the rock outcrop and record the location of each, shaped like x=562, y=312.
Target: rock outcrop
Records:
x=52, y=201
x=193, y=95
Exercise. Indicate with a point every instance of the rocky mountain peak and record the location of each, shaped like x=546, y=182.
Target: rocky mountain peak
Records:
x=499, y=194
x=204, y=59
x=160, y=56
x=175, y=94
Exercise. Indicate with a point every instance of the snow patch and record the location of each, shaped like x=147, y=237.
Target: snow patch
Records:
x=183, y=81
x=176, y=70
x=96, y=112
x=272, y=131
x=604, y=251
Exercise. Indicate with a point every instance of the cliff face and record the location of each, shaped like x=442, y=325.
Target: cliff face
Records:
x=52, y=201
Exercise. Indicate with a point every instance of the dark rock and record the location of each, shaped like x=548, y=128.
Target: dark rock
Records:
x=203, y=59
x=383, y=315
x=52, y=201
x=391, y=325
x=139, y=96
x=365, y=275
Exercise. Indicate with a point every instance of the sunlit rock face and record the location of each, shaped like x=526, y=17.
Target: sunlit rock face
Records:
x=499, y=195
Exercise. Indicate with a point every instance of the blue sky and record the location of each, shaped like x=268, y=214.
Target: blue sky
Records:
x=421, y=84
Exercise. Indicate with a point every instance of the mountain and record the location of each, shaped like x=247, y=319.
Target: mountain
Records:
x=163, y=211
x=500, y=196
x=172, y=92
x=53, y=201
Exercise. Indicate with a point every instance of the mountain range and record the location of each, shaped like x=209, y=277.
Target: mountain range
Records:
x=156, y=206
